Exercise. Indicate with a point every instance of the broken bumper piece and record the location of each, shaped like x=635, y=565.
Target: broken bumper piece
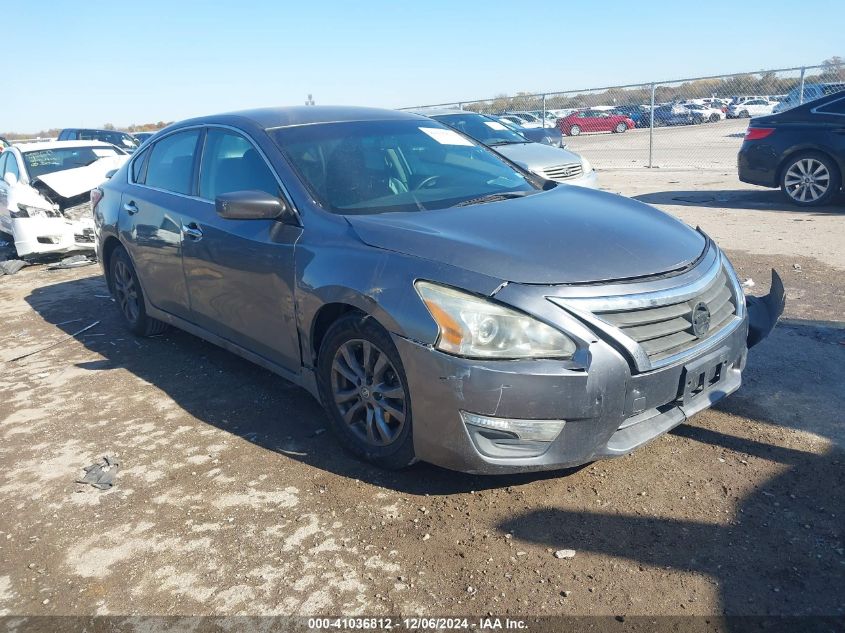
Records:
x=764, y=312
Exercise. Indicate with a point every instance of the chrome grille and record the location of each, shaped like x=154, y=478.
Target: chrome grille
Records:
x=668, y=329
x=564, y=172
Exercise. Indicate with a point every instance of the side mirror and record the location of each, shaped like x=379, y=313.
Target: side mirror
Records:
x=252, y=205
x=110, y=173
x=11, y=179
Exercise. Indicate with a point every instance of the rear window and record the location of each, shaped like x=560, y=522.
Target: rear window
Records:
x=47, y=161
x=171, y=164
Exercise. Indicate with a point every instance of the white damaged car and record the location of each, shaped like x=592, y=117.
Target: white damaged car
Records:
x=45, y=193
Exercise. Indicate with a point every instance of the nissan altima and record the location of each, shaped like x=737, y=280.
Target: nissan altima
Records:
x=441, y=303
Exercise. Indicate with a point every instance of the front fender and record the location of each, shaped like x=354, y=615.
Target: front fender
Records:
x=378, y=282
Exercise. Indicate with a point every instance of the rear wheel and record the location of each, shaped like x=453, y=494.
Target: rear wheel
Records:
x=714, y=118
x=620, y=127
x=127, y=292
x=810, y=179
x=365, y=392
x=744, y=114
x=575, y=130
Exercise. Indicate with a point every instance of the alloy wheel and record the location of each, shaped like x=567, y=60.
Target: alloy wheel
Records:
x=806, y=180
x=368, y=392
x=126, y=291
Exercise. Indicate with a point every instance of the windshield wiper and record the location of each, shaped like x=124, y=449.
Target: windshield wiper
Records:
x=497, y=143
x=493, y=197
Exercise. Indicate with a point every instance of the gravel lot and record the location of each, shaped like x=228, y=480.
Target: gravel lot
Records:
x=232, y=499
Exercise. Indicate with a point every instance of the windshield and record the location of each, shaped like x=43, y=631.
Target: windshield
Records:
x=364, y=167
x=47, y=161
x=481, y=128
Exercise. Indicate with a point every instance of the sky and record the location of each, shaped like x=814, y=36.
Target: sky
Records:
x=87, y=63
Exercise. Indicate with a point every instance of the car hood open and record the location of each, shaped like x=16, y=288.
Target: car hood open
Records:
x=563, y=236
x=69, y=183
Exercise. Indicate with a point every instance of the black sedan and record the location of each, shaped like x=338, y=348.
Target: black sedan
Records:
x=802, y=151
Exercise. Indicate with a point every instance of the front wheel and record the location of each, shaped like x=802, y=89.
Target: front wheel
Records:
x=127, y=292
x=714, y=118
x=810, y=179
x=744, y=114
x=365, y=392
x=575, y=130
x=620, y=127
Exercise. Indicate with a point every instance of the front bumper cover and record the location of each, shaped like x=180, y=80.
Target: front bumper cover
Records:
x=609, y=410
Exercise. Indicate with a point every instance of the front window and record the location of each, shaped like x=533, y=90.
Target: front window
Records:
x=364, y=167
x=230, y=163
x=481, y=128
x=46, y=161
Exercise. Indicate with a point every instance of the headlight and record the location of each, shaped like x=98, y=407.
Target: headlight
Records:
x=27, y=211
x=477, y=328
x=585, y=165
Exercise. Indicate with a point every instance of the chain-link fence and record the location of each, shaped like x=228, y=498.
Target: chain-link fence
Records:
x=688, y=123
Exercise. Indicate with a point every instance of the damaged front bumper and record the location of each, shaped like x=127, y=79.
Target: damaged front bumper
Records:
x=42, y=235
x=466, y=411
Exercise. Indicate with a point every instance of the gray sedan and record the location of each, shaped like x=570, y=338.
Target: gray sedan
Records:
x=553, y=163
x=443, y=304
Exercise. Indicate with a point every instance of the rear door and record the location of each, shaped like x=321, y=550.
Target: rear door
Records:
x=240, y=273
x=160, y=192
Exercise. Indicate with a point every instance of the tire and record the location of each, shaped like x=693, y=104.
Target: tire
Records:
x=127, y=292
x=714, y=118
x=744, y=114
x=357, y=356
x=620, y=127
x=575, y=130
x=810, y=179
x=698, y=120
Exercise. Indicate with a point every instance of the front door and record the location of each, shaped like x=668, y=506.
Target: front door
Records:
x=240, y=273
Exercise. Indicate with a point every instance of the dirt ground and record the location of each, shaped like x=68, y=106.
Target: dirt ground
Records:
x=232, y=497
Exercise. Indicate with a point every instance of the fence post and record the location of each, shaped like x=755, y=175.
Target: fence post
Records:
x=544, y=110
x=460, y=106
x=651, y=130
x=801, y=92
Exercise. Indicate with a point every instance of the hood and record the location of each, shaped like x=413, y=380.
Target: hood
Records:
x=537, y=157
x=563, y=236
x=73, y=182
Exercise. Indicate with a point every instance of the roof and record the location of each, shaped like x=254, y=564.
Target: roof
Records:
x=39, y=145
x=269, y=118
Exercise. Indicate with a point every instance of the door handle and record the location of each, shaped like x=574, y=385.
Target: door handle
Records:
x=130, y=207
x=192, y=231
